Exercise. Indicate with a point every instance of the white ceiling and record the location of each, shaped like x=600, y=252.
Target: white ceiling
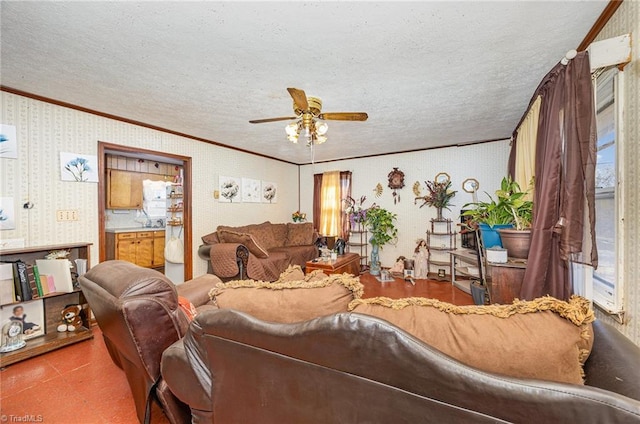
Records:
x=427, y=73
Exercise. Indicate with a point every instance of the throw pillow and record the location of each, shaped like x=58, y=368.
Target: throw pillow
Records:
x=292, y=273
x=545, y=338
x=211, y=238
x=299, y=234
x=247, y=240
x=288, y=301
x=187, y=307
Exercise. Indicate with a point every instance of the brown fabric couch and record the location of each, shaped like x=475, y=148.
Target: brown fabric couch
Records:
x=258, y=251
x=350, y=367
x=138, y=311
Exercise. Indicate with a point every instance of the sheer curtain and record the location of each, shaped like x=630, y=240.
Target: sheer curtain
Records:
x=526, y=135
x=329, y=189
x=564, y=198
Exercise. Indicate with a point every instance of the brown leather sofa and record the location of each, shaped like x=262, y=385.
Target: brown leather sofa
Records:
x=137, y=310
x=258, y=251
x=352, y=368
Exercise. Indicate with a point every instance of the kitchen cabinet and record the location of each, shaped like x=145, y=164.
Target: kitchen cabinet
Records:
x=143, y=248
x=124, y=189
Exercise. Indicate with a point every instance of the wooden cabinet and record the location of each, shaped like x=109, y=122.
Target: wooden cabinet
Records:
x=158, y=248
x=504, y=281
x=52, y=303
x=124, y=189
x=143, y=248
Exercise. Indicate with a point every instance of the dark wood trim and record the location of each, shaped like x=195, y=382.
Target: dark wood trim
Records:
x=131, y=121
x=602, y=20
x=464, y=144
x=187, y=184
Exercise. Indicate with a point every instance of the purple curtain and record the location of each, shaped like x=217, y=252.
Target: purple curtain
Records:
x=565, y=179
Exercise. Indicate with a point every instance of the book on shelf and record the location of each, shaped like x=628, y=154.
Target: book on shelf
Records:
x=60, y=272
x=36, y=276
x=23, y=292
x=31, y=278
x=44, y=283
x=7, y=289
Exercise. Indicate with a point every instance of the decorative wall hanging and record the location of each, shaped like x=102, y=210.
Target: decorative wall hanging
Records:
x=471, y=185
x=251, y=190
x=378, y=190
x=79, y=168
x=417, y=190
x=229, y=189
x=396, y=182
x=7, y=214
x=269, y=192
x=442, y=177
x=8, y=142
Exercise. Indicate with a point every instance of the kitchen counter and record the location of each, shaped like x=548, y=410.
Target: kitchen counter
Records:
x=133, y=229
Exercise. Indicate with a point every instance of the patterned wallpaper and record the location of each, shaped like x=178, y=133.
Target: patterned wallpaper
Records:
x=627, y=20
x=44, y=130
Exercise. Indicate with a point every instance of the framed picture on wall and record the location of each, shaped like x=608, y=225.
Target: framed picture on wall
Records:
x=229, y=189
x=269, y=192
x=79, y=168
x=251, y=190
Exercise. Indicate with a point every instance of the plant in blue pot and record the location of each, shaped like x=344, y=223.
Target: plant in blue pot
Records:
x=380, y=223
x=510, y=208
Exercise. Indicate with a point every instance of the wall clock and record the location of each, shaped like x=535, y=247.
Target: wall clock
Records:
x=396, y=182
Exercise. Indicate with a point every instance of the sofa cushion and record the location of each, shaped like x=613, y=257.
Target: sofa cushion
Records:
x=262, y=233
x=545, y=338
x=288, y=301
x=228, y=236
x=299, y=234
x=280, y=232
x=211, y=238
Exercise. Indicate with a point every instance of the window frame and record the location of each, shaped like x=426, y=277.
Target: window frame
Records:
x=611, y=299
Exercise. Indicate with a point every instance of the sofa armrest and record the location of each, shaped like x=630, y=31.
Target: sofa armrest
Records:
x=197, y=290
x=183, y=379
x=613, y=362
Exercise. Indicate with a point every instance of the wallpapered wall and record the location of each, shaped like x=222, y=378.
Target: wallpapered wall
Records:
x=627, y=20
x=44, y=130
x=485, y=162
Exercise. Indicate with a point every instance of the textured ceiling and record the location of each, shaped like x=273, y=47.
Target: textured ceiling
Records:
x=427, y=73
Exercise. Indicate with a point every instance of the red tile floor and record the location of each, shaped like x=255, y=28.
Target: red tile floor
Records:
x=80, y=384
x=76, y=384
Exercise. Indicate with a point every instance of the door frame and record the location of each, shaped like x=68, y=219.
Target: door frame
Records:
x=103, y=147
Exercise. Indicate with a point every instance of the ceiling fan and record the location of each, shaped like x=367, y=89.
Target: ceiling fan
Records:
x=309, y=118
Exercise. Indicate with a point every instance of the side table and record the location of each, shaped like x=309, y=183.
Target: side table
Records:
x=349, y=263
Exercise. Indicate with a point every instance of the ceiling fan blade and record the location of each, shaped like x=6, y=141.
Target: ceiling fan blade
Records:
x=344, y=116
x=299, y=98
x=262, y=121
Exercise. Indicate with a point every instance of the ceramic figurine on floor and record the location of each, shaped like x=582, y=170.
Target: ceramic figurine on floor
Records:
x=421, y=260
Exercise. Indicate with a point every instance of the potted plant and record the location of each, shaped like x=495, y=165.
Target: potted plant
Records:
x=508, y=209
x=380, y=223
x=439, y=197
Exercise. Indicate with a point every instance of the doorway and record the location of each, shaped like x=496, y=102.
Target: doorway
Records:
x=104, y=149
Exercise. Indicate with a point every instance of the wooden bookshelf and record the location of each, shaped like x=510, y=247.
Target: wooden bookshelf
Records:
x=53, y=303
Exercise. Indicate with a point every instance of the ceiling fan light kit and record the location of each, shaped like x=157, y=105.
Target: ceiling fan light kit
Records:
x=310, y=123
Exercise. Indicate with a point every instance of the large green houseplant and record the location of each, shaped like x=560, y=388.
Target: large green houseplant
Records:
x=380, y=223
x=510, y=208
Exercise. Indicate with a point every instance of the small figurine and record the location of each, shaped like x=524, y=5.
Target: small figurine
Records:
x=397, y=270
x=421, y=256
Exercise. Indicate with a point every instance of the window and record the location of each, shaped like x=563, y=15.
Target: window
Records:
x=607, y=279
